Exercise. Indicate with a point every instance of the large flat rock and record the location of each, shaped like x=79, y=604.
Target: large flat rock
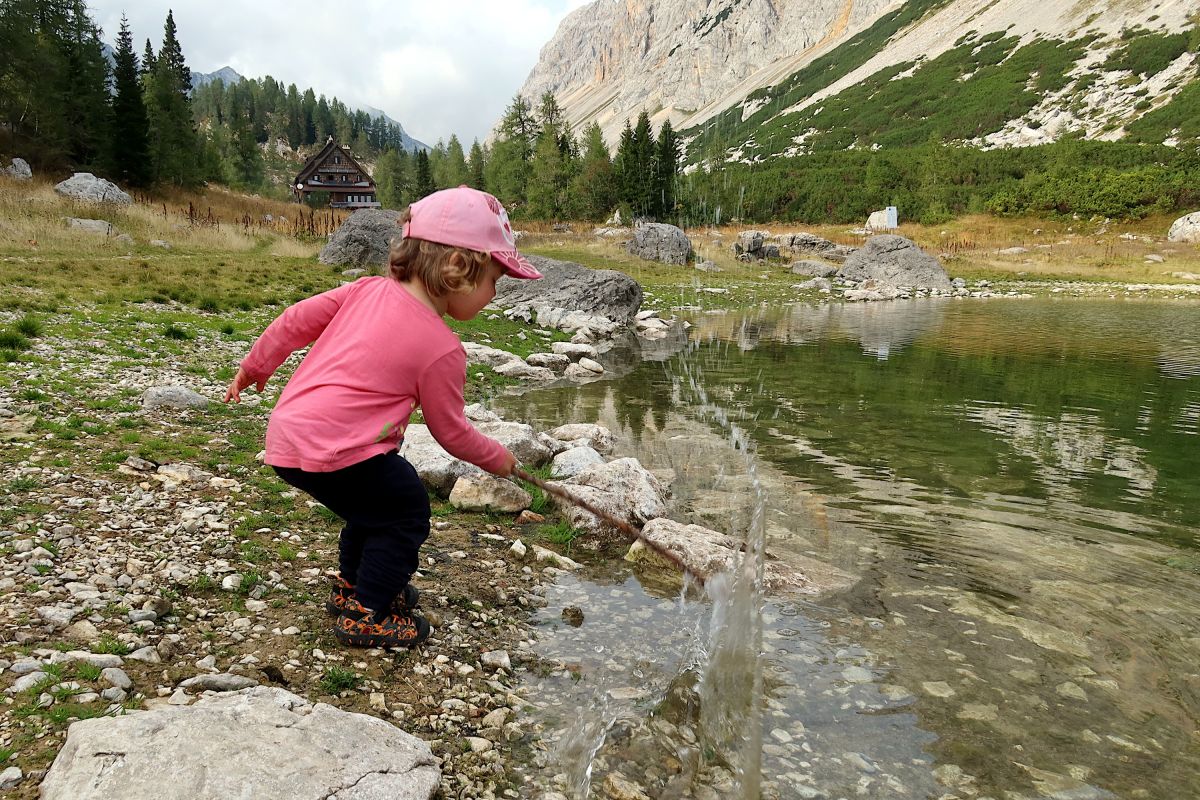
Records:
x=263, y=743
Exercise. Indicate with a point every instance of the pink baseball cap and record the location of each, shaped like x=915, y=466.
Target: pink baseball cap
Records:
x=466, y=217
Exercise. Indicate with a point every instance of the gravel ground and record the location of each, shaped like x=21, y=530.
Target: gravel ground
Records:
x=148, y=557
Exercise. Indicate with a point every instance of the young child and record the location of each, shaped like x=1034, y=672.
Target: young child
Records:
x=379, y=349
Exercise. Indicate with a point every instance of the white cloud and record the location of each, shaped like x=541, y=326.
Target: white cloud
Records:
x=439, y=68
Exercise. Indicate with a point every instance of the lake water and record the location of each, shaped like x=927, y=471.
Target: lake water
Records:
x=1011, y=489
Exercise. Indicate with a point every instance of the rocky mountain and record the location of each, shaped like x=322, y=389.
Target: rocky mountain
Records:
x=751, y=79
x=227, y=74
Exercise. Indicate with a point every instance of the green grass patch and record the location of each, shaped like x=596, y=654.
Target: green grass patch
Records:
x=561, y=533
x=111, y=645
x=339, y=679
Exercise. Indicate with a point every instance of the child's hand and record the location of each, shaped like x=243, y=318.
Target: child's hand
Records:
x=241, y=381
x=507, y=466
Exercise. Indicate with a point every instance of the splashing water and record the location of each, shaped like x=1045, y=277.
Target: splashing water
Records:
x=731, y=686
x=715, y=694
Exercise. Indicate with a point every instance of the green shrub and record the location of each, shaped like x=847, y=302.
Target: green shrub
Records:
x=173, y=331
x=29, y=325
x=1148, y=54
x=13, y=340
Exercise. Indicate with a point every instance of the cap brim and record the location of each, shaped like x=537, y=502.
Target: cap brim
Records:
x=516, y=265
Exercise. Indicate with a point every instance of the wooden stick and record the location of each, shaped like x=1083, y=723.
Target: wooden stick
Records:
x=632, y=532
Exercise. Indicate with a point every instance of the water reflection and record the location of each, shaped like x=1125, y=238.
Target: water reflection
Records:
x=880, y=328
x=1015, y=489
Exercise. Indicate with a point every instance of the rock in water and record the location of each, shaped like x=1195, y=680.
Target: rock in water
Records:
x=363, y=240
x=265, y=743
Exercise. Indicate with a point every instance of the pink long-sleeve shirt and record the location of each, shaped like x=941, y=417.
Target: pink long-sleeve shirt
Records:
x=378, y=352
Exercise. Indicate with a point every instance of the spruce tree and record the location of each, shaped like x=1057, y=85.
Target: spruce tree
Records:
x=85, y=93
x=642, y=163
x=174, y=146
x=456, y=163
x=476, y=165
x=625, y=168
x=391, y=179
x=54, y=102
x=666, y=169
x=423, y=182
x=148, y=59
x=130, y=151
x=594, y=189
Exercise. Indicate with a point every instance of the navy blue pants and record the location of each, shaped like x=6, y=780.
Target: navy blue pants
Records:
x=386, y=510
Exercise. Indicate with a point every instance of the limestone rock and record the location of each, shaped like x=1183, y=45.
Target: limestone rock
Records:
x=438, y=469
x=488, y=493
x=656, y=241
x=598, y=437
x=814, y=269
x=265, y=743
x=518, y=438
x=708, y=553
x=100, y=226
x=551, y=361
x=574, y=350
x=1186, y=229
x=611, y=59
x=895, y=261
x=519, y=369
x=623, y=488
x=19, y=171
x=179, y=397
x=86, y=187
x=489, y=356
x=570, y=463
x=569, y=287
x=363, y=240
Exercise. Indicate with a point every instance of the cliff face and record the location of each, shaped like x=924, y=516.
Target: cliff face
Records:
x=682, y=59
x=734, y=61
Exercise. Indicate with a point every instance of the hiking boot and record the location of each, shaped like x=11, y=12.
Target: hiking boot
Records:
x=396, y=631
x=343, y=591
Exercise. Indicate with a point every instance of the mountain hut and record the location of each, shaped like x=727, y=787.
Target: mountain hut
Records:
x=335, y=170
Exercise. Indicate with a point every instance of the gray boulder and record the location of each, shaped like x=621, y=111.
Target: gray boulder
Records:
x=570, y=463
x=179, y=397
x=1185, y=229
x=895, y=261
x=570, y=287
x=363, y=240
x=100, y=226
x=656, y=241
x=265, y=743
x=488, y=493
x=439, y=470
x=811, y=244
x=87, y=188
x=19, y=171
x=623, y=489
x=814, y=269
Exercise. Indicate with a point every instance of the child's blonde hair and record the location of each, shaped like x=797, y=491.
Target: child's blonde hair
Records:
x=435, y=264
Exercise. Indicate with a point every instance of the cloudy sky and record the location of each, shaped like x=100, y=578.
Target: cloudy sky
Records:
x=436, y=66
